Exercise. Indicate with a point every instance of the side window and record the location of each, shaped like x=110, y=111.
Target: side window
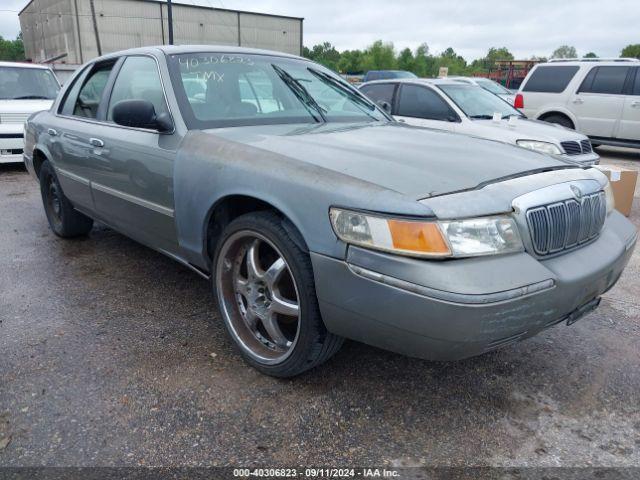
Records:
x=550, y=79
x=71, y=95
x=422, y=102
x=605, y=80
x=380, y=92
x=91, y=92
x=636, y=86
x=138, y=79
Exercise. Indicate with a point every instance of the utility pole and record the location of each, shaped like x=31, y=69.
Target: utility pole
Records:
x=170, y=21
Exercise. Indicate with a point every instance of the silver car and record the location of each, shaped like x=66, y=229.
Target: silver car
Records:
x=315, y=216
x=462, y=108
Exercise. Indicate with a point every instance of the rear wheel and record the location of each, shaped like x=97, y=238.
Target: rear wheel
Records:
x=264, y=285
x=64, y=220
x=560, y=120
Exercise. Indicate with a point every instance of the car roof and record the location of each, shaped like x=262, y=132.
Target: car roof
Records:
x=633, y=62
x=420, y=81
x=24, y=65
x=178, y=49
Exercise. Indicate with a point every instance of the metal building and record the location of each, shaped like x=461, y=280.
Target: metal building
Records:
x=74, y=31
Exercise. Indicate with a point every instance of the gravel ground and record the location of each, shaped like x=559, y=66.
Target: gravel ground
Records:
x=113, y=355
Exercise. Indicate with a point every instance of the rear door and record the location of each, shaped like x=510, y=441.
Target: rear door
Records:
x=630, y=122
x=421, y=106
x=599, y=101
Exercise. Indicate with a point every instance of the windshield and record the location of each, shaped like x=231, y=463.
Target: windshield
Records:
x=477, y=103
x=22, y=83
x=493, y=87
x=222, y=90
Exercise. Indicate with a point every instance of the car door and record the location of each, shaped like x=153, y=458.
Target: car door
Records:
x=72, y=133
x=134, y=189
x=630, y=122
x=421, y=106
x=598, y=103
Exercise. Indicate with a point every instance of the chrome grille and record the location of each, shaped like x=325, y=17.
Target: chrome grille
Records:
x=14, y=117
x=586, y=146
x=563, y=225
x=577, y=148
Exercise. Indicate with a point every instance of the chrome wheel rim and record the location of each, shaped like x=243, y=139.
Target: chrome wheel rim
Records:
x=258, y=297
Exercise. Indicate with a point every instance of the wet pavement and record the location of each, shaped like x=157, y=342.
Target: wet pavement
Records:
x=112, y=354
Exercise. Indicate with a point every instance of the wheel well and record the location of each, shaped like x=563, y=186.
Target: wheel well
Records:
x=230, y=208
x=38, y=160
x=556, y=114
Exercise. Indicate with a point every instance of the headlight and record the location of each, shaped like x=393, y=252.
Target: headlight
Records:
x=611, y=201
x=542, y=147
x=432, y=239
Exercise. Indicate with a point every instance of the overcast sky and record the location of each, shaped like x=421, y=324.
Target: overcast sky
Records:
x=533, y=27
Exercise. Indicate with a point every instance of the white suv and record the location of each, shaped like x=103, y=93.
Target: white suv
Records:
x=24, y=89
x=598, y=97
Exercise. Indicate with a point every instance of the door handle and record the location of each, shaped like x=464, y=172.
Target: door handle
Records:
x=635, y=103
x=578, y=101
x=96, y=142
x=52, y=132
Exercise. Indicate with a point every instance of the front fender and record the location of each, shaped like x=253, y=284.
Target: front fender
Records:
x=209, y=168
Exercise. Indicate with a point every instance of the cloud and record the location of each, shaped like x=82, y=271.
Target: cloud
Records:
x=469, y=26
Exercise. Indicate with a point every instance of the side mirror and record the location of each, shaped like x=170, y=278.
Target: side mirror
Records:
x=385, y=106
x=140, y=114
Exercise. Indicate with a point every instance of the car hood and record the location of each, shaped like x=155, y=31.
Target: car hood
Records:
x=416, y=162
x=24, y=106
x=521, y=129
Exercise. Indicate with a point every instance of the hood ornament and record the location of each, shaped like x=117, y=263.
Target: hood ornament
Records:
x=577, y=193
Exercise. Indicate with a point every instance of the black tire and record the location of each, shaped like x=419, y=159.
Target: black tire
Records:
x=64, y=220
x=314, y=344
x=560, y=120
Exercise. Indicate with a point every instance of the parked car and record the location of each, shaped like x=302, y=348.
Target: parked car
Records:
x=447, y=104
x=24, y=88
x=372, y=75
x=316, y=216
x=599, y=97
x=489, y=85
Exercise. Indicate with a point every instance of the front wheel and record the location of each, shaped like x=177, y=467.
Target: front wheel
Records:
x=64, y=220
x=265, y=289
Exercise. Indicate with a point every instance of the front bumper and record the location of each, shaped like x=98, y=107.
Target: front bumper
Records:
x=585, y=159
x=449, y=310
x=11, y=147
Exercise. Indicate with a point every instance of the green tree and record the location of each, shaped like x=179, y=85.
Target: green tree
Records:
x=323, y=53
x=379, y=56
x=631, y=51
x=565, y=51
x=424, y=63
x=488, y=62
x=406, y=61
x=12, y=50
x=350, y=61
x=454, y=62
x=591, y=55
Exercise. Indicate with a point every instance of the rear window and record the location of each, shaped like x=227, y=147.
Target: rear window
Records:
x=550, y=79
x=605, y=80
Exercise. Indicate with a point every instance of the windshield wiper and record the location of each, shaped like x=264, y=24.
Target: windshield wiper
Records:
x=481, y=117
x=301, y=93
x=336, y=85
x=31, y=97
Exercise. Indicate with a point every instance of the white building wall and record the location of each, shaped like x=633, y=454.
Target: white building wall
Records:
x=52, y=27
